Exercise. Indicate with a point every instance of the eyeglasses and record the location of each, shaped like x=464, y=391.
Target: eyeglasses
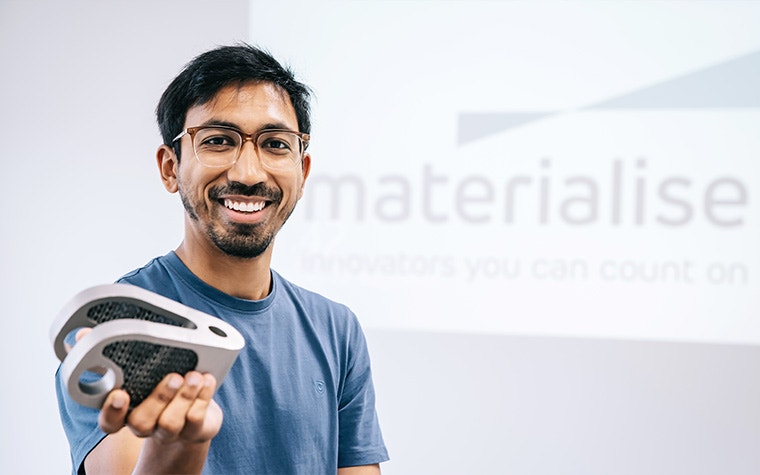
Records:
x=220, y=146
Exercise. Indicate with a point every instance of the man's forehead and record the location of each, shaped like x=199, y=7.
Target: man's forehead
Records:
x=265, y=97
x=247, y=91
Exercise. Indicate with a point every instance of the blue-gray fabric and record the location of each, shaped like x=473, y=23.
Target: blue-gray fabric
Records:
x=298, y=400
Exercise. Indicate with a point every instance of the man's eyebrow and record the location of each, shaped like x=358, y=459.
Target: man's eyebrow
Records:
x=213, y=122
x=275, y=125
x=268, y=126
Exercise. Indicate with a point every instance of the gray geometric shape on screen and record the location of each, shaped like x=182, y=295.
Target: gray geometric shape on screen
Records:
x=731, y=84
x=474, y=125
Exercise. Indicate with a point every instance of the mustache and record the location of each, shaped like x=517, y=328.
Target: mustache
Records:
x=237, y=188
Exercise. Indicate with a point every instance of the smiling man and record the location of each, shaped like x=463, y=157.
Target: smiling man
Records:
x=299, y=399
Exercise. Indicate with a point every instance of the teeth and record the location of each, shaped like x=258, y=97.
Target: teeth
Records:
x=245, y=206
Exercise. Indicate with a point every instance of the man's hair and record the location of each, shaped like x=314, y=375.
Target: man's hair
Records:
x=208, y=73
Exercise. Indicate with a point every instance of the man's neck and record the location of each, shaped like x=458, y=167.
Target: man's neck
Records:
x=249, y=279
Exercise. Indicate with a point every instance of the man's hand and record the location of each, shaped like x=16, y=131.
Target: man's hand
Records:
x=178, y=409
x=169, y=432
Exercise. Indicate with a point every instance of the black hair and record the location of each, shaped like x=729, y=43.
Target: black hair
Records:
x=204, y=76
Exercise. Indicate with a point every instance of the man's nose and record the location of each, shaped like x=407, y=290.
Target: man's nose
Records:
x=248, y=168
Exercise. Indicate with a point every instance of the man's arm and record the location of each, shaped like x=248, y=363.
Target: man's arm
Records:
x=360, y=470
x=169, y=432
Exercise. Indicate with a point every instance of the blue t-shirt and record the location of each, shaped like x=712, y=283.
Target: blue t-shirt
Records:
x=298, y=400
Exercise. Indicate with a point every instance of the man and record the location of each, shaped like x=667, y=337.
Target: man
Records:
x=299, y=399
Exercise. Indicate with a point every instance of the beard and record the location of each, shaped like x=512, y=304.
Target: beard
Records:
x=245, y=241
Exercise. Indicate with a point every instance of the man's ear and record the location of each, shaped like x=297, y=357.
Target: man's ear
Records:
x=305, y=169
x=168, y=166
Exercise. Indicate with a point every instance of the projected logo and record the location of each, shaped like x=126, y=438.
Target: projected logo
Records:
x=515, y=186
x=630, y=188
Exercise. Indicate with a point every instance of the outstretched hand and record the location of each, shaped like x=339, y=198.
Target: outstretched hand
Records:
x=178, y=409
x=176, y=421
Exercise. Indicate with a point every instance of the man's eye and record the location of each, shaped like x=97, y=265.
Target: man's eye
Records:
x=274, y=143
x=218, y=141
x=277, y=145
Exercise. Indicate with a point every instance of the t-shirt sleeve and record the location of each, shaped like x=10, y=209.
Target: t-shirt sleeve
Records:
x=80, y=423
x=360, y=439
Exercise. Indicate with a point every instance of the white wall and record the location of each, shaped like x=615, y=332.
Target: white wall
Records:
x=83, y=202
x=500, y=345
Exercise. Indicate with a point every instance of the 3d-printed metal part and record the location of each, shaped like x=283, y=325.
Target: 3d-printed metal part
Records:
x=137, y=338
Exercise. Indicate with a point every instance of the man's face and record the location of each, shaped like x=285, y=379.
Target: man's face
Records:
x=240, y=208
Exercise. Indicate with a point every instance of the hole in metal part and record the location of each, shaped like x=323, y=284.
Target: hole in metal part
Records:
x=217, y=330
x=96, y=381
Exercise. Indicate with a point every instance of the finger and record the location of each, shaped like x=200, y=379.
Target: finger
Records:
x=82, y=332
x=173, y=418
x=143, y=418
x=77, y=336
x=114, y=411
x=204, y=417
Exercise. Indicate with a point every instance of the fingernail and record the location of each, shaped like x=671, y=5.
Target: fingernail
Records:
x=194, y=379
x=175, y=382
x=118, y=401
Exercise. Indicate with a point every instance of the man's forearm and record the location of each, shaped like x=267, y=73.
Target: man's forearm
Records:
x=175, y=457
x=360, y=470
